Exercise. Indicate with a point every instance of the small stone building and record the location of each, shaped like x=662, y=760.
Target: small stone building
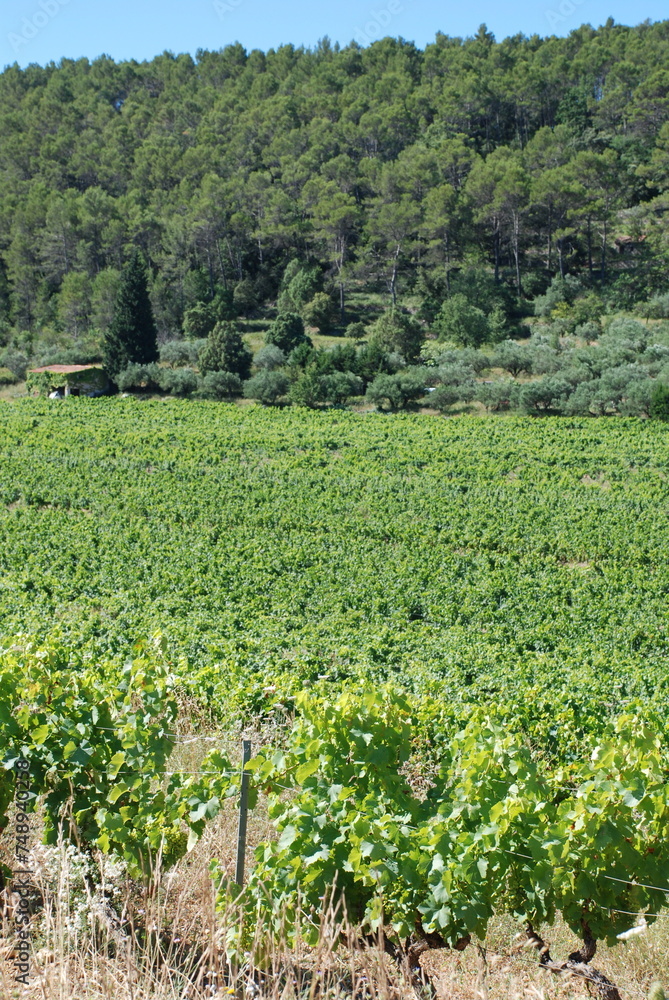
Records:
x=68, y=380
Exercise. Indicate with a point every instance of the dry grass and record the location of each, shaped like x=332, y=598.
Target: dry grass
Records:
x=11, y=392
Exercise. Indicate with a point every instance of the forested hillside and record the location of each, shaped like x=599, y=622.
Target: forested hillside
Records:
x=391, y=170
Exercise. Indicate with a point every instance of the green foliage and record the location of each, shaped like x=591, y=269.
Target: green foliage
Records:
x=456, y=384
x=16, y=362
x=338, y=387
x=562, y=291
x=548, y=394
x=462, y=323
x=131, y=338
x=112, y=526
x=299, y=286
x=97, y=743
x=245, y=298
x=500, y=830
x=513, y=358
x=422, y=191
x=7, y=377
x=356, y=331
x=287, y=332
x=220, y=385
x=178, y=381
x=400, y=332
x=267, y=387
x=496, y=396
x=140, y=378
x=225, y=351
x=445, y=396
x=306, y=390
x=319, y=312
x=199, y=320
x=397, y=390
x=269, y=357
x=177, y=353
x=481, y=290
x=659, y=402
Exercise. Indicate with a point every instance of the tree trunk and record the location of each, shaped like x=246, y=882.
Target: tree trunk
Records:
x=560, y=258
x=393, y=276
x=516, y=249
x=577, y=964
x=549, y=254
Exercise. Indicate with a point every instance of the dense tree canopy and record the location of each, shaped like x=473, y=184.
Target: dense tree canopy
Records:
x=388, y=168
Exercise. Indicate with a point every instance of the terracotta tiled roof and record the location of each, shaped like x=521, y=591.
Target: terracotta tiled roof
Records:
x=64, y=369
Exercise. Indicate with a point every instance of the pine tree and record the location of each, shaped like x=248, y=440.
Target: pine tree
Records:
x=132, y=337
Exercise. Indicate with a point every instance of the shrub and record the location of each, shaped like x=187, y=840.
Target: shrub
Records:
x=307, y=389
x=548, y=394
x=220, y=385
x=269, y=357
x=655, y=358
x=447, y=395
x=615, y=385
x=177, y=353
x=455, y=374
x=397, y=331
x=16, y=362
x=545, y=359
x=140, y=378
x=513, y=358
x=588, y=331
x=302, y=355
x=356, y=331
x=562, y=290
x=341, y=358
x=80, y=355
x=7, y=377
x=476, y=360
x=319, y=313
x=225, y=351
x=624, y=330
x=397, y=390
x=338, y=387
x=267, y=387
x=637, y=402
x=372, y=360
x=287, y=332
x=656, y=308
x=178, y=381
x=496, y=395
x=659, y=402
x=462, y=323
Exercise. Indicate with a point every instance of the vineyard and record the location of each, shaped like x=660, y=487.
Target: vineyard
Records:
x=449, y=637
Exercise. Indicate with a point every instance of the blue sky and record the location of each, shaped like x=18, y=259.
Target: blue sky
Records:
x=44, y=30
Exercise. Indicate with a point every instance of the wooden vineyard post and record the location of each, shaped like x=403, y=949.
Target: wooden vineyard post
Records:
x=243, y=816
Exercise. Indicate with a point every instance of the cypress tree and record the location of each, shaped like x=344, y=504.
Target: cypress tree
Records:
x=132, y=335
